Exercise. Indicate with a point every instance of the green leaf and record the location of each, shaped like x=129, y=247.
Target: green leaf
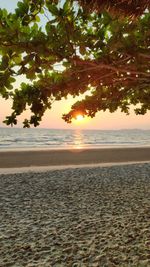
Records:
x=17, y=59
x=31, y=75
x=53, y=9
x=5, y=62
x=37, y=18
x=5, y=13
x=23, y=7
x=12, y=79
x=42, y=11
x=66, y=6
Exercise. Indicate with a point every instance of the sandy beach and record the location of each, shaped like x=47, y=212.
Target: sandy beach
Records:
x=87, y=217
x=79, y=215
x=28, y=158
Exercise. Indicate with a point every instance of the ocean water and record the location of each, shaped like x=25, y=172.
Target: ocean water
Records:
x=16, y=138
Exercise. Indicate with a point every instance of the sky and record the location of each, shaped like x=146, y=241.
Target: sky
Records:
x=52, y=118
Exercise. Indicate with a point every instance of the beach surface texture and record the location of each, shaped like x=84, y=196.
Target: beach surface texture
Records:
x=60, y=157
x=87, y=217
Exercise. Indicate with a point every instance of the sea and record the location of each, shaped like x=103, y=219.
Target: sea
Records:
x=38, y=138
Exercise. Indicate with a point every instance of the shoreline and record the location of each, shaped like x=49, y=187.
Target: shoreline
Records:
x=70, y=157
x=75, y=147
x=43, y=169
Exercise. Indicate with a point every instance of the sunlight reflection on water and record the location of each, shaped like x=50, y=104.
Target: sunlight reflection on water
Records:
x=67, y=139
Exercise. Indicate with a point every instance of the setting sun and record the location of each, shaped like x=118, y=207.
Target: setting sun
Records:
x=79, y=117
x=80, y=120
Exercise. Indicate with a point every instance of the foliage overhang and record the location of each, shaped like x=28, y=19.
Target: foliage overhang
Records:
x=130, y=8
x=100, y=54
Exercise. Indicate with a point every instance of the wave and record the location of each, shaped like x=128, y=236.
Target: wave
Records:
x=21, y=138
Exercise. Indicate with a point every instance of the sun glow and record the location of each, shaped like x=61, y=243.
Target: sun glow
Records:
x=80, y=120
x=79, y=117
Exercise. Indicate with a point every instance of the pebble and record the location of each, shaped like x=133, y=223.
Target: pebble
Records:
x=84, y=217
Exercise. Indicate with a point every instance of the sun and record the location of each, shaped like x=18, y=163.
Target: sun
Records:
x=79, y=117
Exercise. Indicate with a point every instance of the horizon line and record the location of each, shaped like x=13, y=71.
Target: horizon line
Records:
x=81, y=129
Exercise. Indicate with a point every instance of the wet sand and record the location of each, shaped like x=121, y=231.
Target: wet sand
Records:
x=17, y=159
x=83, y=217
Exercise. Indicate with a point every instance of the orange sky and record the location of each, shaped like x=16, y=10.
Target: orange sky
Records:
x=103, y=120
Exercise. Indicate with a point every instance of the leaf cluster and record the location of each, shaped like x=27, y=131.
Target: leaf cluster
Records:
x=120, y=8
x=73, y=53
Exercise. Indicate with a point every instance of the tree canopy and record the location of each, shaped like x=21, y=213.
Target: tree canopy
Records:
x=62, y=48
x=132, y=8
